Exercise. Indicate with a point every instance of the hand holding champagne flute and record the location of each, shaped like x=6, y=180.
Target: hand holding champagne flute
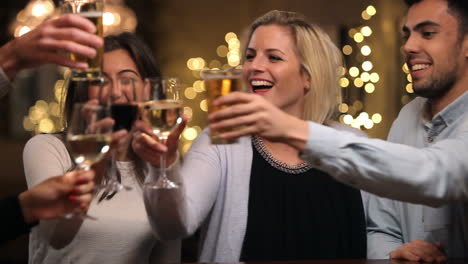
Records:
x=89, y=134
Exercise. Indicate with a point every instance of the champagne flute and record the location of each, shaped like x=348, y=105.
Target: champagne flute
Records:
x=89, y=135
x=162, y=110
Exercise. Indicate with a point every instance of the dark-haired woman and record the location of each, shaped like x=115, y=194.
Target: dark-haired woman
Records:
x=121, y=233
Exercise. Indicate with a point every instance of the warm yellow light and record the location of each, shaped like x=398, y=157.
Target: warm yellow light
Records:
x=371, y=10
x=352, y=32
x=222, y=50
x=409, y=78
x=22, y=30
x=190, y=63
x=46, y=126
x=199, y=86
x=233, y=60
x=377, y=118
x=347, y=49
x=368, y=124
x=366, y=31
x=405, y=68
x=230, y=36
x=354, y=71
x=364, y=115
x=54, y=109
x=190, y=93
x=366, y=50
x=365, y=76
x=42, y=105
x=365, y=15
x=358, y=37
x=204, y=105
x=409, y=88
x=38, y=9
x=186, y=147
x=342, y=119
x=348, y=119
x=405, y=99
x=342, y=70
x=357, y=105
x=374, y=77
x=234, y=44
x=343, y=108
x=215, y=64
x=188, y=112
x=369, y=88
x=358, y=82
x=352, y=110
x=108, y=19
x=367, y=66
x=190, y=133
x=344, y=82
x=27, y=124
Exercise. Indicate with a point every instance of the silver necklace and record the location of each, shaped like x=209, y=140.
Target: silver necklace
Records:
x=291, y=169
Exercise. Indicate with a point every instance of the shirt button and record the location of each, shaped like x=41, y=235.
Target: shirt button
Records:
x=430, y=139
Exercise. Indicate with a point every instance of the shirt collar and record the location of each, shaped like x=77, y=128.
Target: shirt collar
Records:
x=448, y=115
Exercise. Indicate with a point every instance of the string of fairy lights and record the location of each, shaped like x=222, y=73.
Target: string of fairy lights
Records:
x=359, y=74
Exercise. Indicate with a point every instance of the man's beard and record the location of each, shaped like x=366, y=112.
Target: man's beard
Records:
x=437, y=87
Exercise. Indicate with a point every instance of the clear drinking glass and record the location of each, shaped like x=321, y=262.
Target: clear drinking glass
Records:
x=162, y=109
x=92, y=10
x=124, y=115
x=89, y=134
x=218, y=83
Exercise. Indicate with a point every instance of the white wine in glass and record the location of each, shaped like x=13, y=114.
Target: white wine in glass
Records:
x=162, y=110
x=88, y=137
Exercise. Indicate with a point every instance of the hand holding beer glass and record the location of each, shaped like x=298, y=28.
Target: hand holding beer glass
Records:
x=92, y=10
x=219, y=83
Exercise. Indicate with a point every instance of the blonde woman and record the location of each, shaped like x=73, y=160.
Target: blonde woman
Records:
x=258, y=200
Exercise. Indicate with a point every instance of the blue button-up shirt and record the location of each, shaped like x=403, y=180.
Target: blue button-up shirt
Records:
x=427, y=163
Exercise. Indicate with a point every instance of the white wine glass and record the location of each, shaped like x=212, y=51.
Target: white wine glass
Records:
x=88, y=136
x=162, y=110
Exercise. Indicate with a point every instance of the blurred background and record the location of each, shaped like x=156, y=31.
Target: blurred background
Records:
x=187, y=36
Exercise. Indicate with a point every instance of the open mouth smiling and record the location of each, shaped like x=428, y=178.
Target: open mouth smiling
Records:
x=261, y=86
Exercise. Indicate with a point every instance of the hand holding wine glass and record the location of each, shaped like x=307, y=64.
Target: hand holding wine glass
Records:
x=162, y=111
x=89, y=134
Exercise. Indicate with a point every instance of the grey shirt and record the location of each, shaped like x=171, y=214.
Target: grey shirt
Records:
x=392, y=223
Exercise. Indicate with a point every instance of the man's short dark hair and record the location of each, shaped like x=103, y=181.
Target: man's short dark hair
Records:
x=458, y=8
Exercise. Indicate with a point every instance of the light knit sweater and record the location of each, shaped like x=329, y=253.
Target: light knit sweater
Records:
x=121, y=233
x=214, y=195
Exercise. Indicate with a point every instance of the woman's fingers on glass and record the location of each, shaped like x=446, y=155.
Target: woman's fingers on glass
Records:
x=143, y=127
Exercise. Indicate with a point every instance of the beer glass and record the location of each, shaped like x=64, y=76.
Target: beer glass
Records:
x=92, y=10
x=218, y=83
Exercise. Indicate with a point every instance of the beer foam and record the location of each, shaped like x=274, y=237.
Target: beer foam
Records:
x=91, y=14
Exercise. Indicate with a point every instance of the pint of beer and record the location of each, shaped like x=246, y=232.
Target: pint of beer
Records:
x=219, y=83
x=92, y=10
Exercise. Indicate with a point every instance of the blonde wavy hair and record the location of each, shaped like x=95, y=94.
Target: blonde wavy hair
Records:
x=319, y=58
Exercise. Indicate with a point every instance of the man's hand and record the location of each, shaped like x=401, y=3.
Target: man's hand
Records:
x=68, y=33
x=419, y=250
x=58, y=196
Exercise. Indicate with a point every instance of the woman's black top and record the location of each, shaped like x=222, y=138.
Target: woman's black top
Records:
x=300, y=213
